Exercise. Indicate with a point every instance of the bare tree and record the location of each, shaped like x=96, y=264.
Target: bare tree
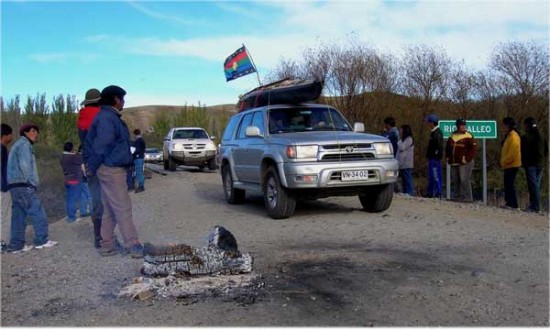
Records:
x=461, y=89
x=523, y=72
x=425, y=75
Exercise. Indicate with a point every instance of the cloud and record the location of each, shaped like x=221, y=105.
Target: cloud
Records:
x=465, y=29
x=158, y=15
x=63, y=57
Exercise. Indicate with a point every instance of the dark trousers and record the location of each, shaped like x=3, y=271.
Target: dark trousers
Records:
x=97, y=205
x=534, y=177
x=407, y=181
x=510, y=187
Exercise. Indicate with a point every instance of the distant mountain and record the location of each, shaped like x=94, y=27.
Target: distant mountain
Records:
x=142, y=117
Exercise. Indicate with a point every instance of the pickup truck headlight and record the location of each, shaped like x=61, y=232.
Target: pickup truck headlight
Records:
x=383, y=148
x=302, y=151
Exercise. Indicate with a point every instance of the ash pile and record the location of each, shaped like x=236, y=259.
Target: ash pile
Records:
x=182, y=271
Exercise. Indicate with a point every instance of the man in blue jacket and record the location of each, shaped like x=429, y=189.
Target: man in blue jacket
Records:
x=107, y=155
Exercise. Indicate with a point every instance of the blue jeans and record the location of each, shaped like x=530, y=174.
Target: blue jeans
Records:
x=25, y=203
x=533, y=175
x=435, y=178
x=407, y=181
x=72, y=196
x=138, y=164
x=85, y=199
x=510, y=187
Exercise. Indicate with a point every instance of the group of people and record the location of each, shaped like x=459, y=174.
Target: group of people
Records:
x=102, y=165
x=460, y=148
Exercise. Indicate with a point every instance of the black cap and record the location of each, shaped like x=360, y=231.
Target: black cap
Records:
x=460, y=121
x=110, y=92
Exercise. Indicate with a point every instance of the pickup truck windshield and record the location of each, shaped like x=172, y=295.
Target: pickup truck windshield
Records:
x=301, y=119
x=190, y=134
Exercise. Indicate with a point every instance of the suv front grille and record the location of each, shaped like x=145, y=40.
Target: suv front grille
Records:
x=347, y=157
x=190, y=146
x=342, y=147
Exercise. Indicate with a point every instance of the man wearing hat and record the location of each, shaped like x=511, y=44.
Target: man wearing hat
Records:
x=108, y=156
x=86, y=116
x=22, y=183
x=434, y=154
x=460, y=153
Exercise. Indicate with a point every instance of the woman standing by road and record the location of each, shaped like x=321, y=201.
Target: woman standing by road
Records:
x=405, y=157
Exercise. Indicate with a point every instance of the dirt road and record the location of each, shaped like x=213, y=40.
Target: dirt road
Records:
x=421, y=263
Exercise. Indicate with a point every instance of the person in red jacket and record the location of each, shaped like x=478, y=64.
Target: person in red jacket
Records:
x=460, y=154
x=86, y=116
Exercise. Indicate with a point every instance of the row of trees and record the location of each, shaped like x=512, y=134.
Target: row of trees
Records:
x=57, y=121
x=367, y=85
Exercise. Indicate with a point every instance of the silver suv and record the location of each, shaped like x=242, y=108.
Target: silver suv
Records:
x=306, y=151
x=189, y=146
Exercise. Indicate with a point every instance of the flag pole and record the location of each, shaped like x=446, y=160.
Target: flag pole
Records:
x=251, y=60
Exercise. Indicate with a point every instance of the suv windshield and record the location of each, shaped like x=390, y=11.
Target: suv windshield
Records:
x=301, y=119
x=152, y=151
x=190, y=134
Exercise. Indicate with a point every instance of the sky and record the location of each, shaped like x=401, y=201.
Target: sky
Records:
x=172, y=52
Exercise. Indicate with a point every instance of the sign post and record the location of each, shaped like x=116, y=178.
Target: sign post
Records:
x=480, y=129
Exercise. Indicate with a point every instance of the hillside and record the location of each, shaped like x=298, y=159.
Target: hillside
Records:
x=142, y=117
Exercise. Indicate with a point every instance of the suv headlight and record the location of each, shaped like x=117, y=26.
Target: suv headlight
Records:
x=302, y=151
x=383, y=148
x=211, y=145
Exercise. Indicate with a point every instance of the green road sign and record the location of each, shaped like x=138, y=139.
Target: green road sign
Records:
x=480, y=129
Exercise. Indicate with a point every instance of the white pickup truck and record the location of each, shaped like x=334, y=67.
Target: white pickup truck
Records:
x=191, y=146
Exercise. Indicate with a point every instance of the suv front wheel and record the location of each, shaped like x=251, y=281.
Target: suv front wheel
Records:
x=279, y=201
x=377, y=198
x=232, y=195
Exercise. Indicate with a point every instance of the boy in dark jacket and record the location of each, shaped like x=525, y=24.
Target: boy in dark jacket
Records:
x=139, y=155
x=533, y=149
x=434, y=154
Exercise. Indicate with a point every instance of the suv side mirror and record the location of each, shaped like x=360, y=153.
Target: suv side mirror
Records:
x=358, y=127
x=252, y=131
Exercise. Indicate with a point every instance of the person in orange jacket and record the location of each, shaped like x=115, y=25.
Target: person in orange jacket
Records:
x=460, y=154
x=510, y=161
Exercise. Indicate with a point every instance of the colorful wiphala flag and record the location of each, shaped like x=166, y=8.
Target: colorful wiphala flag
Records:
x=238, y=64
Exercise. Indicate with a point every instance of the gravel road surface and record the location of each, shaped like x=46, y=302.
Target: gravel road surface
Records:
x=423, y=262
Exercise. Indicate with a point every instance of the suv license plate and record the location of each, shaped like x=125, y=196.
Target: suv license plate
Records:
x=362, y=175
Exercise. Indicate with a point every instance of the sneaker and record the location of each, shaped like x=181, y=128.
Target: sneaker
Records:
x=4, y=247
x=46, y=245
x=139, y=189
x=137, y=250
x=23, y=249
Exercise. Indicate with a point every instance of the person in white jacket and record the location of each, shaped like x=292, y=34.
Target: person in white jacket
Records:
x=405, y=157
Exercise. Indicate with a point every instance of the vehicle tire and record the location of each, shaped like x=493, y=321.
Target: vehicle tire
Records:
x=377, y=198
x=201, y=167
x=232, y=195
x=171, y=164
x=212, y=164
x=279, y=201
